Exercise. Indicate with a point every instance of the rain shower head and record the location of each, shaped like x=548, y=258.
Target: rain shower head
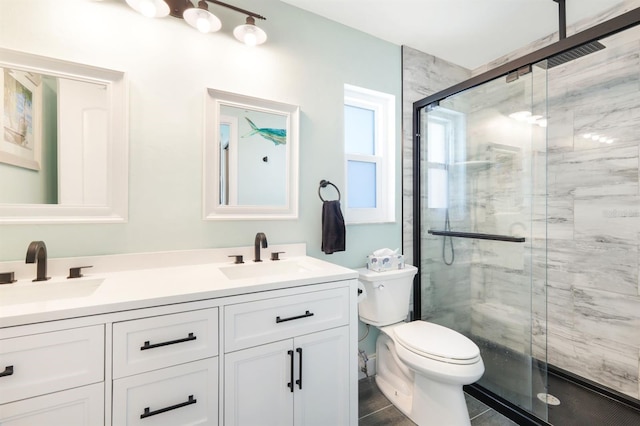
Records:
x=575, y=53
x=570, y=55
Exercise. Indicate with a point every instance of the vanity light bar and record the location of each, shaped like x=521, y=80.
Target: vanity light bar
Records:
x=200, y=18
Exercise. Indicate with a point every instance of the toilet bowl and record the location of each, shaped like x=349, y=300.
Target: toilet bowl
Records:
x=421, y=366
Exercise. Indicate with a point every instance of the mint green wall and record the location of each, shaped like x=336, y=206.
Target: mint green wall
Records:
x=306, y=62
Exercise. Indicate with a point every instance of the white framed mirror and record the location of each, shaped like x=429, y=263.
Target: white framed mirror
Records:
x=63, y=141
x=250, y=158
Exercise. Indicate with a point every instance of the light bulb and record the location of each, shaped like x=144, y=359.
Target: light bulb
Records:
x=250, y=39
x=203, y=25
x=147, y=8
x=150, y=8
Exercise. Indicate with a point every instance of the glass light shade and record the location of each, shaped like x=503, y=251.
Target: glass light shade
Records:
x=150, y=8
x=249, y=33
x=203, y=20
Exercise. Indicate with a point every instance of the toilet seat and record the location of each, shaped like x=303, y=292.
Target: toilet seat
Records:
x=436, y=342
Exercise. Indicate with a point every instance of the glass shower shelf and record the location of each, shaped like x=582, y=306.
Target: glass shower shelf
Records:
x=478, y=236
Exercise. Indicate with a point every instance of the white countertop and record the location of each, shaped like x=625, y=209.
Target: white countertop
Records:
x=133, y=281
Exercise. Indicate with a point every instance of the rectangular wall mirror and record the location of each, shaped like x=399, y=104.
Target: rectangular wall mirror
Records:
x=250, y=159
x=63, y=144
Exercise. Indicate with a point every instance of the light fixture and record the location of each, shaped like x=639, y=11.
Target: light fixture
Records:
x=150, y=8
x=200, y=18
x=249, y=33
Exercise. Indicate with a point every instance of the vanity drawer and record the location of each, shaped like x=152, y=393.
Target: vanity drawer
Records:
x=49, y=362
x=255, y=323
x=157, y=342
x=83, y=406
x=186, y=394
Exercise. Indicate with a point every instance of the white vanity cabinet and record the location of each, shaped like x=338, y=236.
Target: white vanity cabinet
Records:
x=143, y=350
x=53, y=378
x=287, y=360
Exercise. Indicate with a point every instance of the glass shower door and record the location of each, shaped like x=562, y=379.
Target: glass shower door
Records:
x=483, y=229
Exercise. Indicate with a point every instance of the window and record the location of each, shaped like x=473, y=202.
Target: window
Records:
x=369, y=141
x=445, y=143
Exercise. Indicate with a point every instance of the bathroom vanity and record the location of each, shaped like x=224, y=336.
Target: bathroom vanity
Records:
x=199, y=340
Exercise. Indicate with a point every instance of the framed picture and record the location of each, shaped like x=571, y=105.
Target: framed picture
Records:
x=21, y=116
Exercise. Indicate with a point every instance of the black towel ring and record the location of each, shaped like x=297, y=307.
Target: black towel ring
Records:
x=323, y=184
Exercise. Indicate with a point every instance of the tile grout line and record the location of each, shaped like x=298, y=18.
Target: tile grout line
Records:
x=375, y=412
x=478, y=415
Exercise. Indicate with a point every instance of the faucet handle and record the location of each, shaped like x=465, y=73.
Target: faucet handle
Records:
x=238, y=258
x=76, y=272
x=276, y=255
x=7, y=277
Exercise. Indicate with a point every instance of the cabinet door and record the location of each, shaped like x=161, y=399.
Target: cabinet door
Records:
x=82, y=406
x=258, y=386
x=322, y=393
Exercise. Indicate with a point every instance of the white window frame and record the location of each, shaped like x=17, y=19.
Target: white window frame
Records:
x=384, y=107
x=455, y=146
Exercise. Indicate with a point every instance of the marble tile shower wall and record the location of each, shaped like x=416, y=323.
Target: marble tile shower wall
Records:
x=594, y=215
x=422, y=75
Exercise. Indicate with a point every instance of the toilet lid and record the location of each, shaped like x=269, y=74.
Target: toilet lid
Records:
x=435, y=341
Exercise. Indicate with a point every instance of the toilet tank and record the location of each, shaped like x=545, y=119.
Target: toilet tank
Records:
x=387, y=294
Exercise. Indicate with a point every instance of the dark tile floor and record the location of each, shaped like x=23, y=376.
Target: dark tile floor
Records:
x=375, y=409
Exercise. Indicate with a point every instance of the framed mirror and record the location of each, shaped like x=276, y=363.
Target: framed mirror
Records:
x=64, y=141
x=250, y=158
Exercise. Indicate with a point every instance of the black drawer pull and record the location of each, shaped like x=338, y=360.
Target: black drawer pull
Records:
x=306, y=314
x=8, y=371
x=147, y=345
x=149, y=413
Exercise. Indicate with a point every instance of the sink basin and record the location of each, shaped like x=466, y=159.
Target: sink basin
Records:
x=45, y=291
x=262, y=269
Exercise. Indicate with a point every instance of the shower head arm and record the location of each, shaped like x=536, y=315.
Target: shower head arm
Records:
x=562, y=18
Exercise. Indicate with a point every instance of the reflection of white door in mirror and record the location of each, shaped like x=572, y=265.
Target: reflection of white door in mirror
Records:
x=82, y=143
x=251, y=158
x=79, y=120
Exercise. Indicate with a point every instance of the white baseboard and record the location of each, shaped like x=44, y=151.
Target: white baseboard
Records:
x=371, y=367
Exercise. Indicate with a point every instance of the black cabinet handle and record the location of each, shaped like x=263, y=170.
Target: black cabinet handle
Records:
x=147, y=345
x=290, y=384
x=149, y=413
x=299, y=381
x=8, y=371
x=306, y=314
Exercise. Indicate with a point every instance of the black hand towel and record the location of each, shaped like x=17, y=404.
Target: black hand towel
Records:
x=333, y=230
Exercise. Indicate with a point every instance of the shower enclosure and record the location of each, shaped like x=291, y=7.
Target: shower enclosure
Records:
x=488, y=161
x=483, y=229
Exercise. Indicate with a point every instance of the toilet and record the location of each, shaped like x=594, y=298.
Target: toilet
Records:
x=421, y=366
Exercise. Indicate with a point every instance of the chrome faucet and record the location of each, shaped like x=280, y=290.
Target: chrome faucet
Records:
x=261, y=239
x=37, y=252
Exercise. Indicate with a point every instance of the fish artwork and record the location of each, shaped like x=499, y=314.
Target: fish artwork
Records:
x=277, y=136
